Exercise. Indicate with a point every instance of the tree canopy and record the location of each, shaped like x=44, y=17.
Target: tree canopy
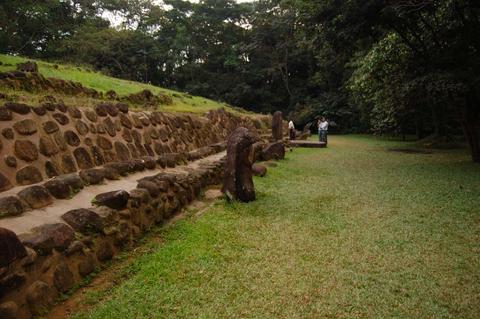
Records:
x=381, y=66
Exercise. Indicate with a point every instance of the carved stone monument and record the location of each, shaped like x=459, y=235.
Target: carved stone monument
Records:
x=277, y=126
x=238, y=182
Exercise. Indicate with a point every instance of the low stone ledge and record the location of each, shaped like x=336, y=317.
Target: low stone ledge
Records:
x=36, y=196
x=58, y=188
x=92, y=236
x=73, y=180
x=11, y=206
x=122, y=168
x=92, y=176
x=11, y=248
x=45, y=238
x=115, y=199
x=83, y=220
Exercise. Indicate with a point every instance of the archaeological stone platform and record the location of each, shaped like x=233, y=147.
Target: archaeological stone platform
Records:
x=77, y=185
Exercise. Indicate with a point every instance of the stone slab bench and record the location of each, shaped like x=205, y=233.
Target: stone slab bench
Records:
x=307, y=144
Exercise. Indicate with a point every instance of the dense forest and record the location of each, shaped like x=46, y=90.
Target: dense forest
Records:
x=381, y=66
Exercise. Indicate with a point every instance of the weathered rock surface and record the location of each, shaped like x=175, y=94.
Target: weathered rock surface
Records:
x=73, y=180
x=274, y=151
x=238, y=182
x=91, y=115
x=84, y=160
x=36, y=196
x=92, y=176
x=8, y=133
x=71, y=138
x=123, y=168
x=83, y=220
x=60, y=140
x=18, y=108
x=52, y=169
x=25, y=150
x=5, y=114
x=97, y=156
x=25, y=127
x=111, y=174
x=74, y=112
x=63, y=278
x=115, y=200
x=40, y=110
x=58, y=188
x=86, y=266
x=68, y=164
x=8, y=310
x=28, y=175
x=259, y=170
x=101, y=110
x=82, y=127
x=122, y=151
x=47, y=146
x=39, y=298
x=10, y=161
x=61, y=118
x=10, y=206
x=11, y=248
x=105, y=251
x=11, y=282
x=28, y=66
x=4, y=183
x=50, y=236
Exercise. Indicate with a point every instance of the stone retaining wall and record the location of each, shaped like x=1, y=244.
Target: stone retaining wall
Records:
x=35, y=82
x=53, y=258
x=39, y=143
x=53, y=151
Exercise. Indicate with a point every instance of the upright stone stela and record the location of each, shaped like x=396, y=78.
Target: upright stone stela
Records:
x=277, y=126
x=238, y=182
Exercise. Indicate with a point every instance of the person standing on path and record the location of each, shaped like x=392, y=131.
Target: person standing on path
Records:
x=291, y=130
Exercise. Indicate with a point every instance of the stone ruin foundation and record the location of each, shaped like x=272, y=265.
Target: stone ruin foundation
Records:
x=77, y=185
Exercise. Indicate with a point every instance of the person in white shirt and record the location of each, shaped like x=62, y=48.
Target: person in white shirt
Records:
x=291, y=130
x=323, y=130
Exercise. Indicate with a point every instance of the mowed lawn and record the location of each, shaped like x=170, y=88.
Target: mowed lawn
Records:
x=352, y=231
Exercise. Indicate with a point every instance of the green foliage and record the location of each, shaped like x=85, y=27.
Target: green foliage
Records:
x=397, y=67
x=378, y=84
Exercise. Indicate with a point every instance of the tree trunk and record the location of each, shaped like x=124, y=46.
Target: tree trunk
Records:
x=470, y=120
x=439, y=121
x=419, y=130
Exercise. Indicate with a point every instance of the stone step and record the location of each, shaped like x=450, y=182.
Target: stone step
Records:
x=55, y=209
x=62, y=243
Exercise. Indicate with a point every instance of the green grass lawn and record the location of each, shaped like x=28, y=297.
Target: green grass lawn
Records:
x=181, y=102
x=352, y=231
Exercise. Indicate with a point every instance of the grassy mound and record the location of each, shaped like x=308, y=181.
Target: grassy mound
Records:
x=182, y=102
